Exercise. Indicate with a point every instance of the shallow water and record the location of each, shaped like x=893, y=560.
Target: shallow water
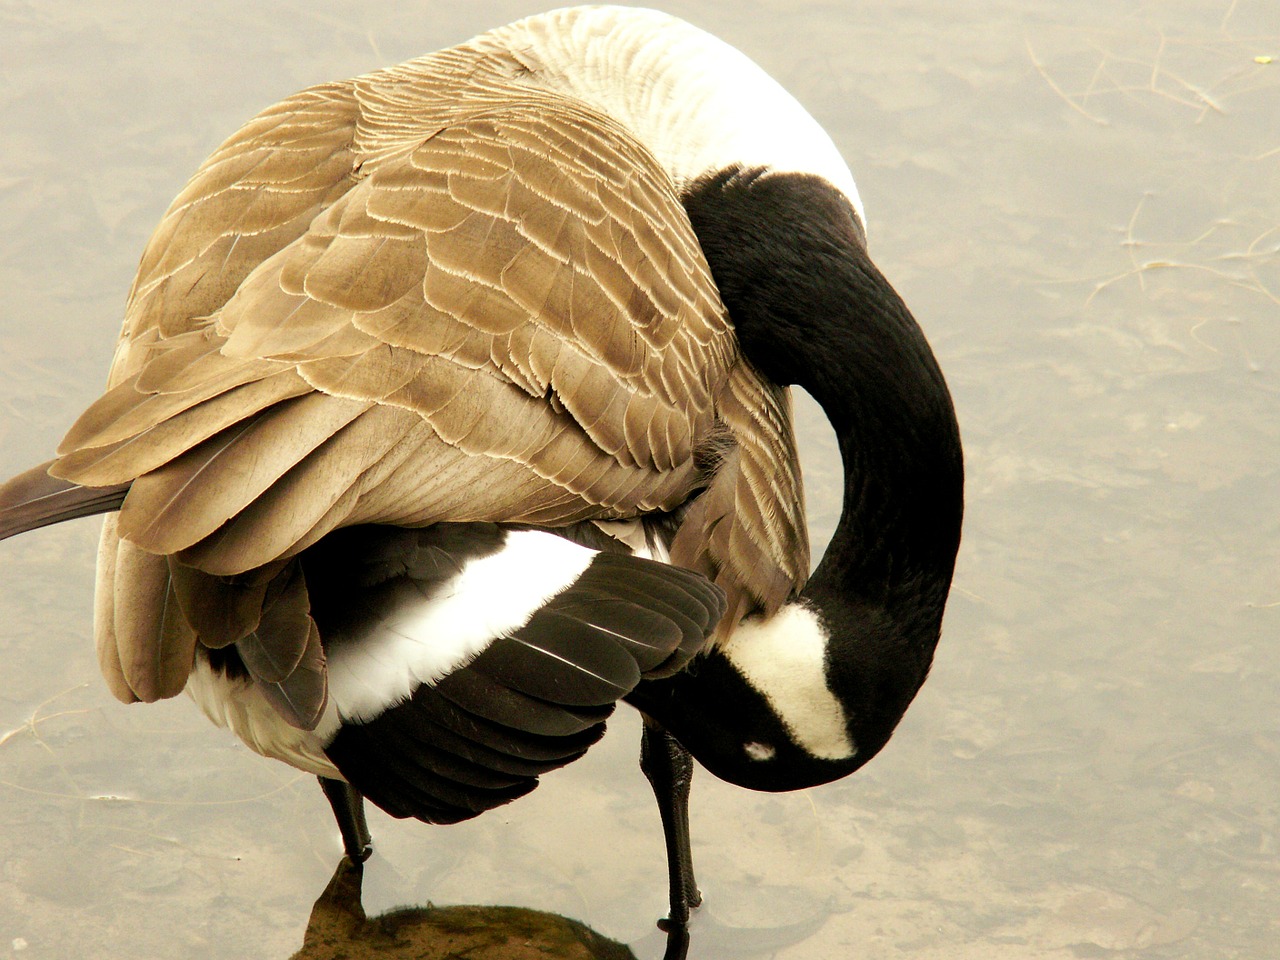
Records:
x=1081, y=205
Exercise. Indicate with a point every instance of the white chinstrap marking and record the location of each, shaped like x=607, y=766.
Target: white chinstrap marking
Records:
x=782, y=658
x=697, y=103
x=425, y=640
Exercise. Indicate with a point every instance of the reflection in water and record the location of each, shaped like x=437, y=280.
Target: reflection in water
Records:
x=339, y=928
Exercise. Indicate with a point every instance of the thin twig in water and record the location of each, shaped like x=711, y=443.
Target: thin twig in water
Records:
x=154, y=803
x=1154, y=82
x=1164, y=265
x=1099, y=72
x=1252, y=254
x=35, y=718
x=1226, y=17
x=1035, y=61
x=957, y=588
x=1129, y=243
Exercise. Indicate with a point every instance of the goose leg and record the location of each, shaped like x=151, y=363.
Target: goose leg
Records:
x=669, y=768
x=348, y=810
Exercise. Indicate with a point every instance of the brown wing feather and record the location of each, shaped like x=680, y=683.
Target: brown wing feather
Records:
x=747, y=531
x=426, y=294
x=120, y=457
x=104, y=614
x=631, y=427
x=256, y=194
x=155, y=645
x=225, y=609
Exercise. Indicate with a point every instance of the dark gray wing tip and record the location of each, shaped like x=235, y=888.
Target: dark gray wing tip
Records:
x=35, y=499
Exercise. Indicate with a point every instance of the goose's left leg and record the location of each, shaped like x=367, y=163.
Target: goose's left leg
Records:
x=348, y=810
x=669, y=768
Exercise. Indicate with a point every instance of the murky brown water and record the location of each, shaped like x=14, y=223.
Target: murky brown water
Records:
x=1082, y=205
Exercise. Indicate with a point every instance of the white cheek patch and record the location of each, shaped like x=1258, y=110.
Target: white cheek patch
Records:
x=782, y=658
x=425, y=639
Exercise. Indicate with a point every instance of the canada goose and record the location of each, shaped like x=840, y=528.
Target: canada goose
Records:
x=450, y=409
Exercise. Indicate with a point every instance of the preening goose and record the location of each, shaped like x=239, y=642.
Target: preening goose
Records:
x=450, y=409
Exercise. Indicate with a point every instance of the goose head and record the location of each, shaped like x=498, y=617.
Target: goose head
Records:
x=813, y=692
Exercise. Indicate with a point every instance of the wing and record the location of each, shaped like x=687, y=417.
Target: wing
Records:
x=519, y=299
x=533, y=698
x=256, y=194
x=376, y=305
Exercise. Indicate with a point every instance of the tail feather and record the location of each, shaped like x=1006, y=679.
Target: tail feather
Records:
x=34, y=499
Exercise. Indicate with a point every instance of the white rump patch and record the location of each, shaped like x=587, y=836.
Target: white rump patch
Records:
x=430, y=637
x=782, y=658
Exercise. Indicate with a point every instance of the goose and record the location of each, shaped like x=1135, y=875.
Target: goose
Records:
x=452, y=407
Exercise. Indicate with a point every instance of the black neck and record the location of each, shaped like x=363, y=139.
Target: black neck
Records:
x=809, y=307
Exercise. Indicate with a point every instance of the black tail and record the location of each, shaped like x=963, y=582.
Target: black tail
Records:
x=35, y=499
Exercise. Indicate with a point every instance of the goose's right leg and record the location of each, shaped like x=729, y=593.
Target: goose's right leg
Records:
x=669, y=768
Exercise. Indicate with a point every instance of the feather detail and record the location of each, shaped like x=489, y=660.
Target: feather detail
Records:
x=154, y=642
x=223, y=609
x=545, y=660
x=275, y=647
x=35, y=499
x=191, y=496
x=255, y=195
x=479, y=720
x=271, y=523
x=746, y=531
x=301, y=696
x=104, y=616
x=120, y=459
